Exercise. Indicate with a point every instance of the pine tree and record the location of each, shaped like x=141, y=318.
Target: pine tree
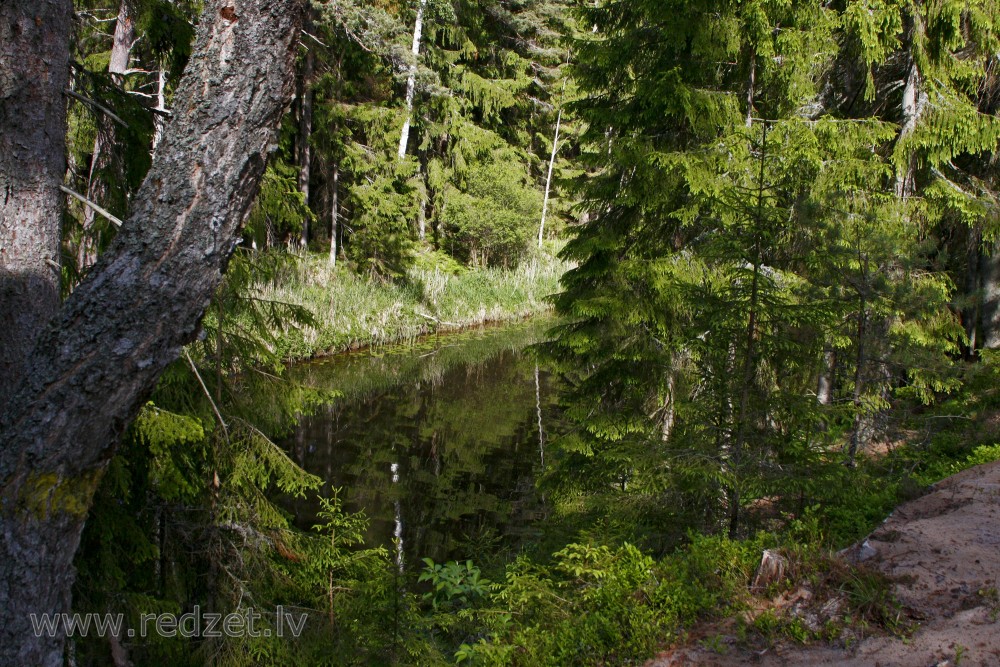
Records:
x=706, y=300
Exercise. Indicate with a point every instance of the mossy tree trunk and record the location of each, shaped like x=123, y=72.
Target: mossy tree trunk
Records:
x=96, y=364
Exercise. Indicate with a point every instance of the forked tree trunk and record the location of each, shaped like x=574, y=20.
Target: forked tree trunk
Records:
x=145, y=297
x=34, y=71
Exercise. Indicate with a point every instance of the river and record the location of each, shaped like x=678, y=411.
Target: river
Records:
x=439, y=443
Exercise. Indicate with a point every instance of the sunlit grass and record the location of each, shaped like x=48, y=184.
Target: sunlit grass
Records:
x=355, y=310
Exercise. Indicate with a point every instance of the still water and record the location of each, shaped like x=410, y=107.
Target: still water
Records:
x=439, y=443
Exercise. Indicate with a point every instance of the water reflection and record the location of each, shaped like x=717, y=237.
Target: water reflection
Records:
x=439, y=443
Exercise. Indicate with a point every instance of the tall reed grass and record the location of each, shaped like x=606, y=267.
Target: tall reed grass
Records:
x=354, y=311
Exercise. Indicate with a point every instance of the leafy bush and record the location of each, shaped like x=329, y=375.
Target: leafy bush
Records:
x=493, y=219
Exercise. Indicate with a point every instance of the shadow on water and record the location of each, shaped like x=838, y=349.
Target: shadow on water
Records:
x=439, y=443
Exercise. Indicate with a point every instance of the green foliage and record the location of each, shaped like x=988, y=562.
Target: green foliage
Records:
x=383, y=239
x=454, y=585
x=772, y=198
x=169, y=31
x=870, y=594
x=280, y=208
x=485, y=87
x=493, y=220
x=176, y=442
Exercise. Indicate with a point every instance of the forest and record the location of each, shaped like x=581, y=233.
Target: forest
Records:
x=486, y=332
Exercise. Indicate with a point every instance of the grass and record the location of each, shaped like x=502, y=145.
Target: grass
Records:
x=354, y=311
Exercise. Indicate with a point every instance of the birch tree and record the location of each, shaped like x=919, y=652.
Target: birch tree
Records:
x=552, y=165
x=411, y=78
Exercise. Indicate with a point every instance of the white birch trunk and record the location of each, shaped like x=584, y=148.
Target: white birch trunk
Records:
x=411, y=79
x=914, y=101
x=334, y=213
x=548, y=179
x=824, y=386
x=667, y=424
x=161, y=105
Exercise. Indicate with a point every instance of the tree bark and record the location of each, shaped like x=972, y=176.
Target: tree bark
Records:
x=144, y=300
x=34, y=72
x=411, y=79
x=669, y=404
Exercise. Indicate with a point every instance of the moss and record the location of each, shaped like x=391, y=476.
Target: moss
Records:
x=45, y=494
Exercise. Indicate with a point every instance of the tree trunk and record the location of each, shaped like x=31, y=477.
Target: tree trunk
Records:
x=124, y=38
x=972, y=290
x=334, y=213
x=914, y=101
x=548, y=179
x=824, y=385
x=411, y=79
x=34, y=72
x=749, y=360
x=161, y=105
x=145, y=298
x=669, y=403
x=305, y=132
x=103, y=159
x=990, y=309
x=862, y=431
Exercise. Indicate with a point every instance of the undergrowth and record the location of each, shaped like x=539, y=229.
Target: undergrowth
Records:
x=597, y=604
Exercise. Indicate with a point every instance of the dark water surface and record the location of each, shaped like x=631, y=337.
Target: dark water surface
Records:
x=439, y=443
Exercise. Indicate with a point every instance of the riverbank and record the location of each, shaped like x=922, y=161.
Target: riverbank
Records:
x=936, y=557
x=354, y=311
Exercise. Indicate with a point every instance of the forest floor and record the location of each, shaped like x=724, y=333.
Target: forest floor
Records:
x=941, y=553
